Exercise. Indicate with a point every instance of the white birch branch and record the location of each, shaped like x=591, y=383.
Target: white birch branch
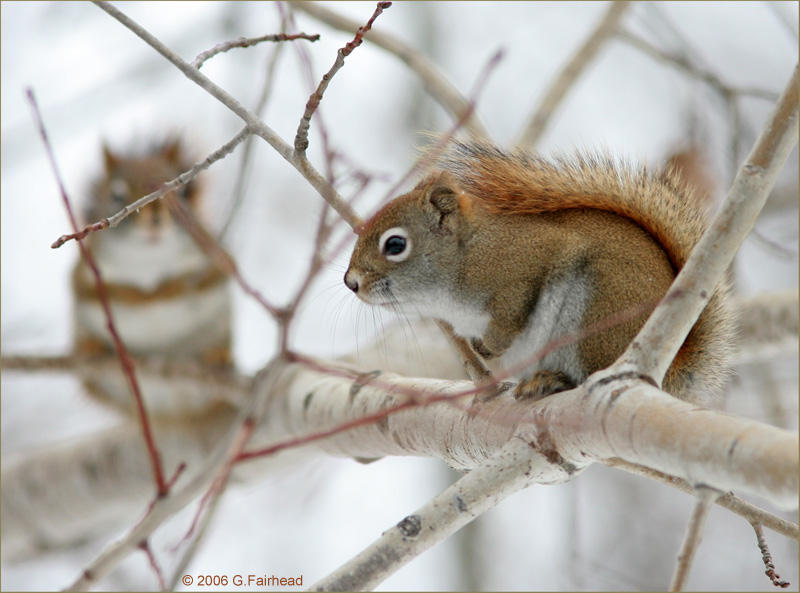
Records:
x=511, y=469
x=768, y=326
x=59, y=494
x=694, y=534
x=83, y=479
x=620, y=419
x=653, y=349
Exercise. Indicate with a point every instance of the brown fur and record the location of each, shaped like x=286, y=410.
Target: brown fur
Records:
x=127, y=177
x=665, y=207
x=142, y=174
x=491, y=232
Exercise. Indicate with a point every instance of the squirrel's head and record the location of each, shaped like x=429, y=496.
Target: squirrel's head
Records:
x=410, y=250
x=128, y=177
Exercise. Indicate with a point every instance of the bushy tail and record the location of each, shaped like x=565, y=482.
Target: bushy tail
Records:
x=526, y=184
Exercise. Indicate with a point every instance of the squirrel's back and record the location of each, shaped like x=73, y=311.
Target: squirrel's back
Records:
x=663, y=205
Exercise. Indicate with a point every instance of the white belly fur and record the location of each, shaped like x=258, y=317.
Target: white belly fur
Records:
x=186, y=325
x=557, y=315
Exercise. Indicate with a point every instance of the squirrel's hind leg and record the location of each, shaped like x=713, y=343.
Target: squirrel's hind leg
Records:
x=541, y=384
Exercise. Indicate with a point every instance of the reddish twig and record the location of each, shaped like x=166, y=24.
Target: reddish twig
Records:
x=362, y=421
x=144, y=546
x=218, y=485
x=178, y=471
x=202, y=57
x=767, y=558
x=122, y=352
x=216, y=253
x=301, y=138
x=165, y=188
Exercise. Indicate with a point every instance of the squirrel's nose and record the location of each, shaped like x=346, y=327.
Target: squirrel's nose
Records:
x=351, y=280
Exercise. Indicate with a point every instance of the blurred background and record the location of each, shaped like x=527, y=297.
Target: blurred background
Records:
x=710, y=88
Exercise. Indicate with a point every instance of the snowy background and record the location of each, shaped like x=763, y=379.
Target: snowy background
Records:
x=94, y=80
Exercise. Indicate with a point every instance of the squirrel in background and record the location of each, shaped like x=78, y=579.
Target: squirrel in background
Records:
x=514, y=251
x=169, y=302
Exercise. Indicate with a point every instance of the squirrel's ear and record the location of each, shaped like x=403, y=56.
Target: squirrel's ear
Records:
x=109, y=158
x=442, y=192
x=171, y=150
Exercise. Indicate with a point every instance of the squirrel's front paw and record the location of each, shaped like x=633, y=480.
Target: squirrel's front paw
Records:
x=541, y=384
x=480, y=347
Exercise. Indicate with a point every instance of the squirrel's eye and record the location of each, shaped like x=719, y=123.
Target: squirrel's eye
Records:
x=120, y=192
x=395, y=244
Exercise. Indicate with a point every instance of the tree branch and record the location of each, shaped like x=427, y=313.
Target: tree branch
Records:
x=128, y=368
x=729, y=501
x=206, y=55
x=253, y=122
x=237, y=194
x=684, y=64
x=301, y=137
x=694, y=532
x=511, y=469
x=561, y=84
x=629, y=420
x=165, y=188
x=768, y=325
x=653, y=349
x=217, y=464
x=435, y=84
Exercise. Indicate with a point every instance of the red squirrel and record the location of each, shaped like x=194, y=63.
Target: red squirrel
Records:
x=514, y=251
x=170, y=303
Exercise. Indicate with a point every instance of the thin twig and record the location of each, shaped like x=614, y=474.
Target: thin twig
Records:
x=733, y=503
x=144, y=546
x=225, y=383
x=39, y=363
x=202, y=57
x=429, y=157
x=122, y=352
x=221, y=481
x=253, y=122
x=194, y=545
x=301, y=137
x=218, y=464
x=237, y=195
x=434, y=81
x=538, y=121
x=767, y=558
x=683, y=63
x=694, y=533
x=165, y=188
x=221, y=258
